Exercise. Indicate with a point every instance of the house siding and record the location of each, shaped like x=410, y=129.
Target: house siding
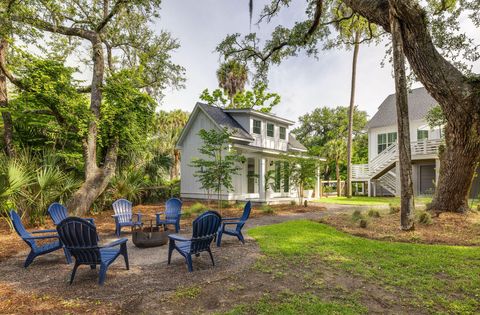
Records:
x=414, y=126
x=192, y=142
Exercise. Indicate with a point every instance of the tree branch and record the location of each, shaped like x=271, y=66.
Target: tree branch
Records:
x=3, y=66
x=116, y=8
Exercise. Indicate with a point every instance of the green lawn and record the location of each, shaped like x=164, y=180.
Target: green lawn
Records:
x=370, y=201
x=436, y=278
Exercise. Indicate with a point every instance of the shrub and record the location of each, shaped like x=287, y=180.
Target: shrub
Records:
x=357, y=215
x=224, y=204
x=394, y=209
x=424, y=218
x=363, y=223
x=305, y=203
x=197, y=207
x=186, y=214
x=293, y=203
x=267, y=209
x=373, y=213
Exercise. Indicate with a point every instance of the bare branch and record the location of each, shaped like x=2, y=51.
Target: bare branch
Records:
x=116, y=8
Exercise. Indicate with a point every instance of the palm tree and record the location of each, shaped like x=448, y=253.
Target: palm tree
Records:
x=335, y=151
x=351, y=29
x=169, y=126
x=232, y=77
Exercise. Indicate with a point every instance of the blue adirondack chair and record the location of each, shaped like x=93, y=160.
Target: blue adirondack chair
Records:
x=238, y=222
x=58, y=213
x=124, y=216
x=36, y=250
x=173, y=212
x=81, y=239
x=205, y=228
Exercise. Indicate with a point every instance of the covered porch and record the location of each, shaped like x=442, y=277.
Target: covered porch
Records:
x=264, y=178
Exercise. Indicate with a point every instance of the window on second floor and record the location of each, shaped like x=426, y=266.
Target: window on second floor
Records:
x=384, y=140
x=270, y=130
x=257, y=126
x=283, y=133
x=422, y=134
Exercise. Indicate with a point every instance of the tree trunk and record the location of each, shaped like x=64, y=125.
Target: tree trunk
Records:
x=406, y=184
x=6, y=116
x=457, y=166
x=337, y=174
x=96, y=178
x=174, y=172
x=351, y=110
x=456, y=93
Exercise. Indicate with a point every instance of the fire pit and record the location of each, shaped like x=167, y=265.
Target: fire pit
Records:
x=149, y=235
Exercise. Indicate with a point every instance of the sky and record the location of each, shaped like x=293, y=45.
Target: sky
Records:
x=303, y=82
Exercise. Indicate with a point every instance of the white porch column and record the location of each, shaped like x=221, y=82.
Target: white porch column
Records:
x=318, y=184
x=261, y=179
x=369, y=188
x=374, y=184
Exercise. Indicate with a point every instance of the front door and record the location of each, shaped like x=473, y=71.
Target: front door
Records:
x=251, y=175
x=427, y=178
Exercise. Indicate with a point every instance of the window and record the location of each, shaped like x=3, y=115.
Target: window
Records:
x=278, y=175
x=270, y=130
x=283, y=133
x=422, y=134
x=257, y=126
x=384, y=140
x=286, y=177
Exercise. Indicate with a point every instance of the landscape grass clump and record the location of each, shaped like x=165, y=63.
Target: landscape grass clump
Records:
x=394, y=209
x=197, y=208
x=293, y=203
x=363, y=223
x=357, y=215
x=373, y=213
x=424, y=217
x=267, y=209
x=224, y=204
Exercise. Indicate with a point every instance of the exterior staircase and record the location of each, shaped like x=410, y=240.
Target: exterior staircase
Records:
x=380, y=168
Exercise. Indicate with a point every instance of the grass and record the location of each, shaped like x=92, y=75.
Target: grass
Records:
x=370, y=201
x=439, y=278
x=381, y=201
x=297, y=304
x=187, y=292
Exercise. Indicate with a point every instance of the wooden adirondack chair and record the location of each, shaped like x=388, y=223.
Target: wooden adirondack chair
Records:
x=81, y=239
x=173, y=212
x=36, y=250
x=123, y=215
x=205, y=228
x=238, y=222
x=58, y=213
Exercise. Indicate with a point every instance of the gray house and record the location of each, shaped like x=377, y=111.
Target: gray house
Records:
x=262, y=138
x=380, y=177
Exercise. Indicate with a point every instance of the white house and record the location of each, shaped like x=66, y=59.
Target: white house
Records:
x=380, y=176
x=261, y=138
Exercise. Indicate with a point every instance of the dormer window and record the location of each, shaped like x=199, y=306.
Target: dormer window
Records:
x=283, y=133
x=270, y=130
x=257, y=126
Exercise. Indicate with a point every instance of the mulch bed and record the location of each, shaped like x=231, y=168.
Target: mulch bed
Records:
x=447, y=228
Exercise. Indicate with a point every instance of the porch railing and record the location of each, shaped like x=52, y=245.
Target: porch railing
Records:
x=390, y=155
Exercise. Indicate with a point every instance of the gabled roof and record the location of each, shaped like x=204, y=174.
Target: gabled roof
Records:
x=218, y=118
x=294, y=144
x=224, y=120
x=419, y=103
x=257, y=113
